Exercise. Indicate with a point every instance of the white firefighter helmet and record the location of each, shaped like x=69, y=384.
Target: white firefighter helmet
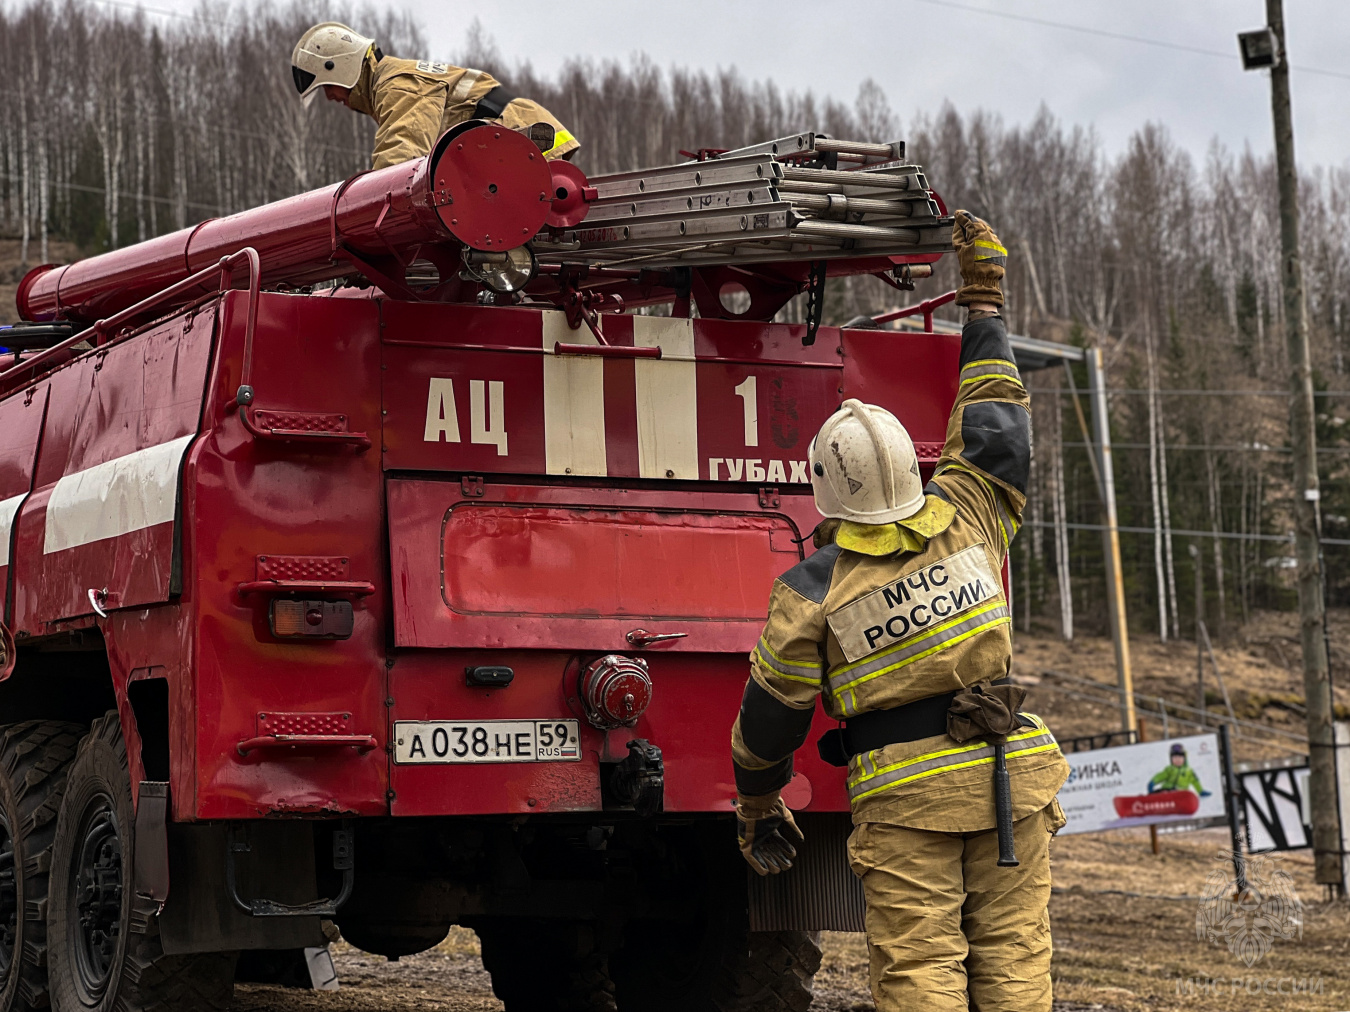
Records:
x=329, y=53
x=863, y=466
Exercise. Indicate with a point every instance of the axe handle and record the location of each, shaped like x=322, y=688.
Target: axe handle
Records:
x=1003, y=807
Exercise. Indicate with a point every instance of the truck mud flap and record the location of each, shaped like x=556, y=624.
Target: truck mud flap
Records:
x=820, y=891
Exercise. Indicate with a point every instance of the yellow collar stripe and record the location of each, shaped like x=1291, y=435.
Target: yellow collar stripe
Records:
x=908, y=535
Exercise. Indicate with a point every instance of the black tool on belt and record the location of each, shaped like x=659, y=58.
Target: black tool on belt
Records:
x=493, y=104
x=984, y=711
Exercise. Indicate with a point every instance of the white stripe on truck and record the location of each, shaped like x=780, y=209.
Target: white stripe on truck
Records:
x=574, y=402
x=9, y=508
x=114, y=498
x=667, y=398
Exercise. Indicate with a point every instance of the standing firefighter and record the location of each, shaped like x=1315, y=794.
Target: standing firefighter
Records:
x=413, y=101
x=900, y=622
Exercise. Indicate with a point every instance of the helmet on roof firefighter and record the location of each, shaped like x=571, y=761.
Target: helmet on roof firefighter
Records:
x=329, y=53
x=863, y=466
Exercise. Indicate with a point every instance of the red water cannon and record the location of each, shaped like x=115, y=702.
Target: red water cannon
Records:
x=481, y=193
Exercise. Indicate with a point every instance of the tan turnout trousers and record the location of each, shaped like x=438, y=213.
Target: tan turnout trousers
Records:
x=947, y=929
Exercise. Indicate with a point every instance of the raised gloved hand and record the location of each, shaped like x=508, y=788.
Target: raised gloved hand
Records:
x=982, y=259
x=767, y=833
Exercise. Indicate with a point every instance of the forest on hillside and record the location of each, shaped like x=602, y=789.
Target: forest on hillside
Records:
x=121, y=126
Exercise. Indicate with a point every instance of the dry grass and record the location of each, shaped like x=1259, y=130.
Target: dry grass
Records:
x=1260, y=665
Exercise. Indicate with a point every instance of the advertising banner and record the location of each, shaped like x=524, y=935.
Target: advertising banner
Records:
x=1152, y=783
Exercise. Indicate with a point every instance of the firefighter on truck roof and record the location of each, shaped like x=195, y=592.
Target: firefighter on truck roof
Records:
x=900, y=623
x=413, y=101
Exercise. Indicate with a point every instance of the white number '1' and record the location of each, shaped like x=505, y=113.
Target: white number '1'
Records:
x=746, y=392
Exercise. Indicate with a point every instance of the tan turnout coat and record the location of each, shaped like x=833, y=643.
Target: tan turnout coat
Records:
x=865, y=632
x=415, y=101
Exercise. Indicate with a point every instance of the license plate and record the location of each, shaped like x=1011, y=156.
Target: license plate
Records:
x=486, y=741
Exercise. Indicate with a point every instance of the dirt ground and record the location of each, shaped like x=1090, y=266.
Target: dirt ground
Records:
x=1124, y=923
x=1124, y=919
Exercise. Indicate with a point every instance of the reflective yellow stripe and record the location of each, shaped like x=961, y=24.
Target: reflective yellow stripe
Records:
x=873, y=658
x=946, y=769
x=991, y=375
x=989, y=368
x=561, y=138
x=1005, y=518
x=993, y=623
x=783, y=667
x=959, y=750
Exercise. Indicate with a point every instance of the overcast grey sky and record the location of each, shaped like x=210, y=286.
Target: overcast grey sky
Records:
x=924, y=52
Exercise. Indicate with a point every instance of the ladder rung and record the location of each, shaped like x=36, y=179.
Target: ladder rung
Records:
x=847, y=230
x=843, y=177
x=837, y=203
x=888, y=151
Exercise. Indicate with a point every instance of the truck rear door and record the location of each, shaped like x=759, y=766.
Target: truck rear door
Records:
x=547, y=508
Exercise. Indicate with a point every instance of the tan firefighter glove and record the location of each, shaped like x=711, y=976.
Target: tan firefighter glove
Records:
x=767, y=833
x=982, y=258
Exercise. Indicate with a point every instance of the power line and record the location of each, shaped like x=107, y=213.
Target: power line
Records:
x=1121, y=36
x=1208, y=448
x=1287, y=539
x=1147, y=700
x=125, y=194
x=1217, y=448
x=1163, y=391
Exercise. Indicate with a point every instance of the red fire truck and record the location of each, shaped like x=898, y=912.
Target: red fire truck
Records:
x=390, y=555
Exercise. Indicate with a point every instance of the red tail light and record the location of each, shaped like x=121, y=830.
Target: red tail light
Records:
x=330, y=620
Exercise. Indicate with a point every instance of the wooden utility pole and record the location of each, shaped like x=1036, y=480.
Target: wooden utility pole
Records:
x=1115, y=580
x=1326, y=841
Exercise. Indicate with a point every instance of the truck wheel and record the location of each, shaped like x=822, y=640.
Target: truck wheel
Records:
x=540, y=967
x=34, y=758
x=723, y=968
x=101, y=958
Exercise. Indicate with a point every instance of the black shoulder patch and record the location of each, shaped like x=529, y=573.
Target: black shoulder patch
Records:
x=987, y=338
x=997, y=437
x=811, y=577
